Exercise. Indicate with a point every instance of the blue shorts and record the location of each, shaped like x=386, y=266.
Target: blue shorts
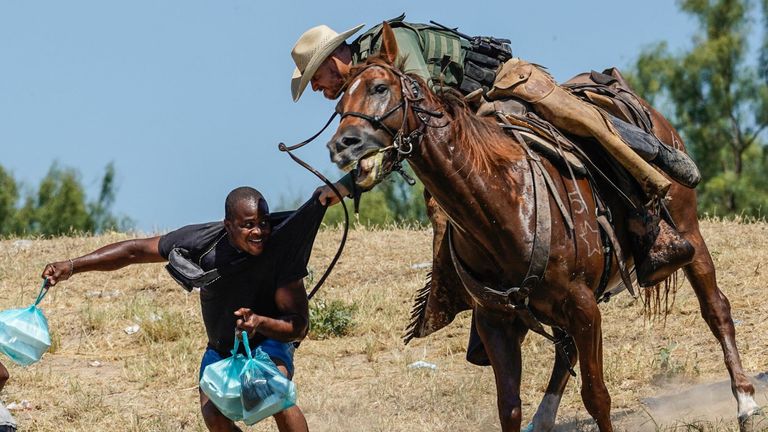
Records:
x=276, y=350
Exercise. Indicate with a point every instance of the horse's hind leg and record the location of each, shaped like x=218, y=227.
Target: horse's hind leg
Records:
x=716, y=311
x=502, y=337
x=585, y=327
x=546, y=413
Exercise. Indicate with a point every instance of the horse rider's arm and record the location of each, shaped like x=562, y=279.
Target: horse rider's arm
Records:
x=293, y=321
x=110, y=257
x=409, y=53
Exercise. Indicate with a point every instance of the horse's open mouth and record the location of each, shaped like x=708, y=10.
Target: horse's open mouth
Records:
x=371, y=169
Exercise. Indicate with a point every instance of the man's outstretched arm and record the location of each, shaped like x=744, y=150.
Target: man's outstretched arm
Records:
x=110, y=257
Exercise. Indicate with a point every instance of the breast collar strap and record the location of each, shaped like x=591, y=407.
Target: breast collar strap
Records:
x=515, y=297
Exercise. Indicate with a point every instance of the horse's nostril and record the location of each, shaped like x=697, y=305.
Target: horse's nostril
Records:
x=350, y=140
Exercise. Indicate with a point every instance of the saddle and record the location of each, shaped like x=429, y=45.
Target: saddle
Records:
x=609, y=91
x=627, y=115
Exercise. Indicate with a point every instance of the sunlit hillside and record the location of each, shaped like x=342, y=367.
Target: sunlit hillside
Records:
x=98, y=377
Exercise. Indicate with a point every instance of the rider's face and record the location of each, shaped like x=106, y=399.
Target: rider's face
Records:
x=328, y=79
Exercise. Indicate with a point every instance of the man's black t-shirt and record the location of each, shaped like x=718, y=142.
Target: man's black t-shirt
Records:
x=284, y=260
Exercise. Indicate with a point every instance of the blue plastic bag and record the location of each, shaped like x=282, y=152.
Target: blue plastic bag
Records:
x=221, y=383
x=265, y=390
x=24, y=335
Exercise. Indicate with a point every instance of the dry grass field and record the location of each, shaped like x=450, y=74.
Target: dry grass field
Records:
x=98, y=378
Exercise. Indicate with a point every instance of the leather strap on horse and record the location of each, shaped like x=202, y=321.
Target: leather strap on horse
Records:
x=284, y=148
x=410, y=101
x=481, y=292
x=506, y=125
x=606, y=224
x=612, y=243
x=539, y=252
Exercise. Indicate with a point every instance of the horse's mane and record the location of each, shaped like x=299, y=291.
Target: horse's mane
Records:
x=487, y=145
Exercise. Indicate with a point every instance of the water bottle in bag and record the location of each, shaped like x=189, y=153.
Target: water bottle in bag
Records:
x=264, y=389
x=24, y=335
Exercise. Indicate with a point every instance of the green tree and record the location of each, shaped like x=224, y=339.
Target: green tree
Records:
x=9, y=196
x=405, y=202
x=24, y=221
x=718, y=100
x=59, y=205
x=99, y=210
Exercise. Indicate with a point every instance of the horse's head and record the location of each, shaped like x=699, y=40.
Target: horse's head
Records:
x=379, y=123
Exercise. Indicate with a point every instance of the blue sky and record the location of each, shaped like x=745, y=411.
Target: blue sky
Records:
x=190, y=98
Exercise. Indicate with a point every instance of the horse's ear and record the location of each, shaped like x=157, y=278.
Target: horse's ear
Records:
x=388, y=50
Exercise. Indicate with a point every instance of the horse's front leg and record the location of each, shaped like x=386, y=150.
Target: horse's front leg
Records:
x=546, y=413
x=716, y=311
x=502, y=336
x=584, y=325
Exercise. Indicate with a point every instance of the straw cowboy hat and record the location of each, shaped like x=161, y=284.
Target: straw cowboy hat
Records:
x=312, y=48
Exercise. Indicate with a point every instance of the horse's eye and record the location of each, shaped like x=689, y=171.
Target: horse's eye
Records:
x=380, y=89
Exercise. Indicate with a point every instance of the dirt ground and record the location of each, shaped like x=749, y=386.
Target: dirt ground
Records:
x=662, y=375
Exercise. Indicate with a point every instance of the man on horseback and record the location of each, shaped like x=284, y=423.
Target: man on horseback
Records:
x=485, y=72
x=498, y=193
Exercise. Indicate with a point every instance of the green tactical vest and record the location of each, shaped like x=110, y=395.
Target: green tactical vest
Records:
x=443, y=51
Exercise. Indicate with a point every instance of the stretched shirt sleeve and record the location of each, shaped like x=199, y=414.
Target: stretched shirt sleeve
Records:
x=347, y=181
x=295, y=237
x=191, y=237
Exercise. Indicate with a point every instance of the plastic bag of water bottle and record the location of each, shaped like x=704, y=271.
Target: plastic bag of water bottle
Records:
x=265, y=391
x=24, y=335
x=221, y=383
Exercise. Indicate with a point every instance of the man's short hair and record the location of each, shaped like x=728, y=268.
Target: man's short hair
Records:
x=237, y=195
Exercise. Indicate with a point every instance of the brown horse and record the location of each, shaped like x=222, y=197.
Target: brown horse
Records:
x=489, y=189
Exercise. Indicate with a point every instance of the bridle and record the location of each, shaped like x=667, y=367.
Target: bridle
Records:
x=410, y=101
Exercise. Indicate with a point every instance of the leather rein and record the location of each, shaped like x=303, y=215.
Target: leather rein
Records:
x=403, y=144
x=289, y=149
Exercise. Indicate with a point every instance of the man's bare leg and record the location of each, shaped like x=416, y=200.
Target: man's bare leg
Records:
x=4, y=375
x=7, y=422
x=214, y=419
x=291, y=419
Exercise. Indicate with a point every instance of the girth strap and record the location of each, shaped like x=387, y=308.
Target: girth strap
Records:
x=602, y=220
x=484, y=294
x=543, y=234
x=545, y=174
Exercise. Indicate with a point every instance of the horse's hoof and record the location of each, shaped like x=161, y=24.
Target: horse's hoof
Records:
x=753, y=422
x=528, y=428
